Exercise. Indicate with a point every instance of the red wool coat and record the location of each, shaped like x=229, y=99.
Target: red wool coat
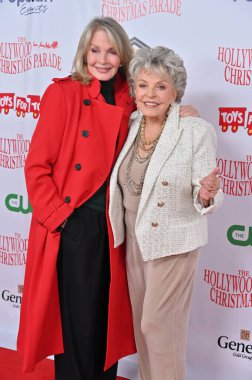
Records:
x=73, y=148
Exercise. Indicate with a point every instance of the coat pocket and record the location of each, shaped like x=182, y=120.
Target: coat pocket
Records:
x=74, y=227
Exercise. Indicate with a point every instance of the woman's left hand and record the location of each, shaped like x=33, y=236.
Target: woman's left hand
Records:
x=188, y=111
x=209, y=187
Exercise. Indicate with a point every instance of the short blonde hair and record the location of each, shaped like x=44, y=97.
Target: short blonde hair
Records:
x=162, y=60
x=118, y=38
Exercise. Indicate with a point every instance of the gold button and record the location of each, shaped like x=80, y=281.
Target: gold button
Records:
x=154, y=224
x=165, y=183
x=160, y=204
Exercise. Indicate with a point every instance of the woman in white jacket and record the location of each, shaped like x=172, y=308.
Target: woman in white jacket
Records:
x=162, y=186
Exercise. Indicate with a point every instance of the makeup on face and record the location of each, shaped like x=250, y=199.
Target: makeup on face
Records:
x=102, y=59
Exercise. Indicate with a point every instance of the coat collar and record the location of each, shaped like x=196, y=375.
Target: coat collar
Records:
x=94, y=88
x=121, y=86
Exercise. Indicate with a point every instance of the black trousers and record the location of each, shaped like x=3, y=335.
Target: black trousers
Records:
x=83, y=278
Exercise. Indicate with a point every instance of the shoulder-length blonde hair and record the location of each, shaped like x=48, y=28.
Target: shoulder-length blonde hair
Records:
x=118, y=38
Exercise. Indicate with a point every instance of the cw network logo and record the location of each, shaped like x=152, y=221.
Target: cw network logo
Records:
x=26, y=8
x=240, y=235
x=15, y=203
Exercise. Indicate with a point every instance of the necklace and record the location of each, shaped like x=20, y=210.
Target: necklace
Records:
x=135, y=188
x=147, y=145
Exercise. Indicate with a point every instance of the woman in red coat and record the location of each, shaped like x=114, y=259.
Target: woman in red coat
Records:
x=73, y=274
x=75, y=302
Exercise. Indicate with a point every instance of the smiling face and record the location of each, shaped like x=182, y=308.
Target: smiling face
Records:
x=102, y=60
x=154, y=92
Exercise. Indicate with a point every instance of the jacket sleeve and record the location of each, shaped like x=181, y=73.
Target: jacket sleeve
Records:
x=204, y=161
x=49, y=209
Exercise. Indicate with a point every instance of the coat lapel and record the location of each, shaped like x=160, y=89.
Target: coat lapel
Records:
x=130, y=139
x=167, y=142
x=116, y=212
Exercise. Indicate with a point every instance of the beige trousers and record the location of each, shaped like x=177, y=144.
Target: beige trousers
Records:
x=160, y=292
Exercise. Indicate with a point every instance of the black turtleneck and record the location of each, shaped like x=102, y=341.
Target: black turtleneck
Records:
x=107, y=90
x=98, y=200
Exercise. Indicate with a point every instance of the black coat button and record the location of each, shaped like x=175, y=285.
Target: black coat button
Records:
x=67, y=199
x=87, y=102
x=85, y=133
x=77, y=166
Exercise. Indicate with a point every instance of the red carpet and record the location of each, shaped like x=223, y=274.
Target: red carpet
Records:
x=10, y=368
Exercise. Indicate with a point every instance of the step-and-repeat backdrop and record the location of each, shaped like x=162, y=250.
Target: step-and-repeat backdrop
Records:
x=38, y=39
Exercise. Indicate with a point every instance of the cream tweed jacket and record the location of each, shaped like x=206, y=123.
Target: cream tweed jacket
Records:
x=170, y=219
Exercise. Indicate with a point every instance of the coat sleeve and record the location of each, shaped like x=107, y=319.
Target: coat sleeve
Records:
x=204, y=161
x=49, y=209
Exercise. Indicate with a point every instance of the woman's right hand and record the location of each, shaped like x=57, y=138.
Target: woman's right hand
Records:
x=210, y=185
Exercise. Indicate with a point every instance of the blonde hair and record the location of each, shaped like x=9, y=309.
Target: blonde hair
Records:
x=118, y=38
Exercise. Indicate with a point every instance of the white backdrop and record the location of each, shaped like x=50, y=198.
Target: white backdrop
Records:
x=38, y=39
